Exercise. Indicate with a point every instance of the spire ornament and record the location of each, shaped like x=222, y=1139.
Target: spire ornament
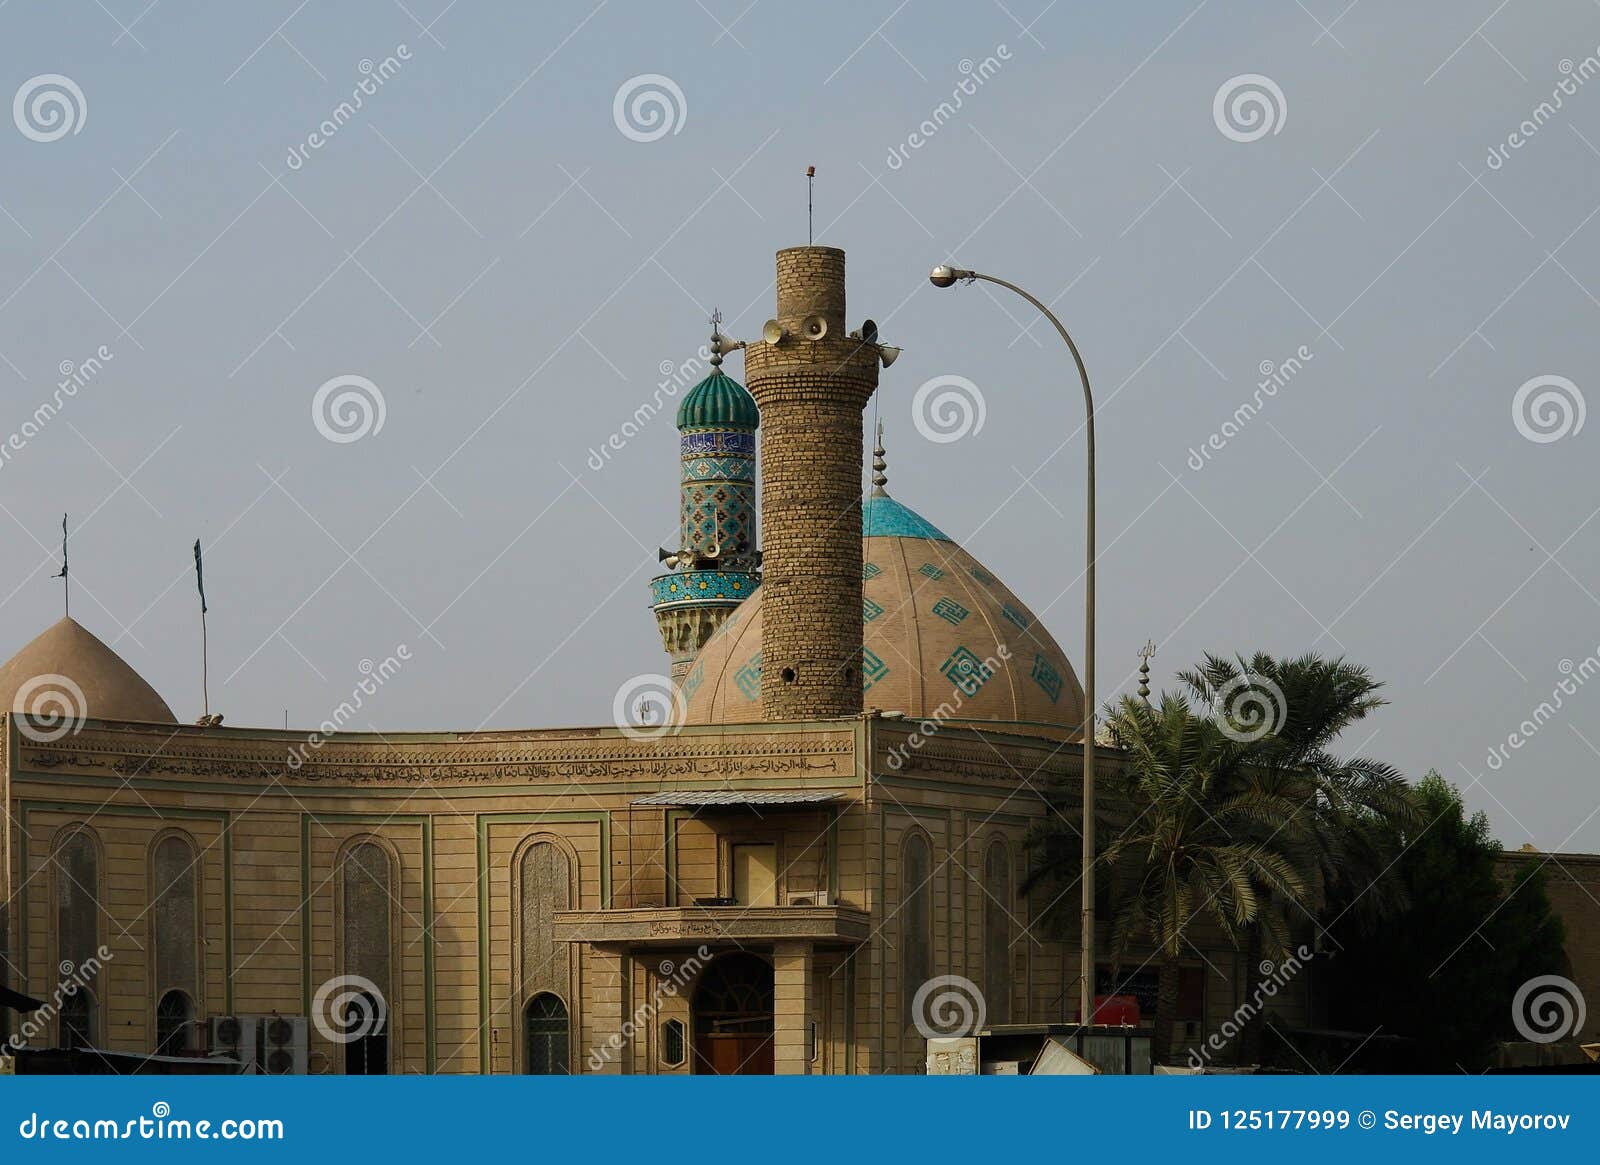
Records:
x=1146, y=654
x=880, y=478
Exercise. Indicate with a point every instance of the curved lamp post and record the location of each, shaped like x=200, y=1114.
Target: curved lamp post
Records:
x=945, y=276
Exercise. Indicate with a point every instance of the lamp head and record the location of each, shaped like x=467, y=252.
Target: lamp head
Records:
x=946, y=276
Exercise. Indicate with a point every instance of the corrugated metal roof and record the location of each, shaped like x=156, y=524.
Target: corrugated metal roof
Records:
x=689, y=798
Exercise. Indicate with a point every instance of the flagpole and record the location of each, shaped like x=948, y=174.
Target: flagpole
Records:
x=205, y=668
x=205, y=646
x=66, y=584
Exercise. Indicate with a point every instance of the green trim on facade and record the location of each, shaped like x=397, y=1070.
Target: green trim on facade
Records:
x=425, y=823
x=221, y=816
x=600, y=818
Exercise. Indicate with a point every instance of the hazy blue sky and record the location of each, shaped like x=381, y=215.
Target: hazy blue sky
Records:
x=510, y=269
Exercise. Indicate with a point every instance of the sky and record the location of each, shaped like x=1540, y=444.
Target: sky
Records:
x=1332, y=268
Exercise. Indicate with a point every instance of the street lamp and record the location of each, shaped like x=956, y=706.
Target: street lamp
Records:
x=946, y=276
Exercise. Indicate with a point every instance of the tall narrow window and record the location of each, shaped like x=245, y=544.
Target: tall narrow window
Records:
x=916, y=919
x=77, y=890
x=997, y=910
x=546, y=1018
x=369, y=894
x=174, y=1024
x=174, y=926
x=545, y=887
x=77, y=1020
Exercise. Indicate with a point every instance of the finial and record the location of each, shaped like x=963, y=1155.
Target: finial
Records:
x=879, y=477
x=716, y=338
x=1146, y=654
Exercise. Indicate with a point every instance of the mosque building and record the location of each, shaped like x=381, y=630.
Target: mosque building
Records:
x=830, y=828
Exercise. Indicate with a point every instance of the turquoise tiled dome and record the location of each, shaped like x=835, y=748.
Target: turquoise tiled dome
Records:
x=718, y=402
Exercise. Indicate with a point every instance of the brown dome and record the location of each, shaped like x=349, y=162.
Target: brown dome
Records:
x=939, y=632
x=67, y=671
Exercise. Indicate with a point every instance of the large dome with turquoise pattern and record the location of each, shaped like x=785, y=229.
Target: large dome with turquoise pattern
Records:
x=718, y=402
x=939, y=633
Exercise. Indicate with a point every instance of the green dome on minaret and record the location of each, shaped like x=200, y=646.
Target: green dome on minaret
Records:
x=718, y=402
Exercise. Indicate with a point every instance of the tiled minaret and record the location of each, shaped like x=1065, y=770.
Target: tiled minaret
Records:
x=715, y=566
x=811, y=381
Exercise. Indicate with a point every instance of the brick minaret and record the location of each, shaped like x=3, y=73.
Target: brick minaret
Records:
x=811, y=393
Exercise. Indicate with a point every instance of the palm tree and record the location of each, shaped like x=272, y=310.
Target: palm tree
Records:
x=1194, y=845
x=1345, y=810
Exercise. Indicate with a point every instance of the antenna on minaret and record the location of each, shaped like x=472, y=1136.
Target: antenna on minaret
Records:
x=66, y=586
x=811, y=179
x=880, y=478
x=1146, y=654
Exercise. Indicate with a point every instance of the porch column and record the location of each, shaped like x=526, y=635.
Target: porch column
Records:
x=791, y=990
x=608, y=994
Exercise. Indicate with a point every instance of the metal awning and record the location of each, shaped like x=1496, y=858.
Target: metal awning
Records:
x=733, y=798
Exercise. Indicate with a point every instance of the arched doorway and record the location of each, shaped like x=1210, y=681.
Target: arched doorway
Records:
x=174, y=1019
x=546, y=1023
x=368, y=1053
x=732, y=1007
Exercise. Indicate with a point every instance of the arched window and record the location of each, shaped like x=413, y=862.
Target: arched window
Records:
x=546, y=887
x=368, y=900
x=77, y=893
x=916, y=919
x=997, y=911
x=77, y=1020
x=174, y=923
x=546, y=1021
x=174, y=1024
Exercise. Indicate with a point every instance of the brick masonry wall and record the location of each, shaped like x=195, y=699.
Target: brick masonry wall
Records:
x=811, y=393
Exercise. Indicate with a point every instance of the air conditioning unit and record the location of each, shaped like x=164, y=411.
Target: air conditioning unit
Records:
x=284, y=1045
x=806, y=898
x=233, y=1036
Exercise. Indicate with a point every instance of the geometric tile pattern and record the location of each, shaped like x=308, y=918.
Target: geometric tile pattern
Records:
x=965, y=671
x=1047, y=677
x=748, y=678
x=931, y=571
x=950, y=611
x=870, y=610
x=873, y=669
